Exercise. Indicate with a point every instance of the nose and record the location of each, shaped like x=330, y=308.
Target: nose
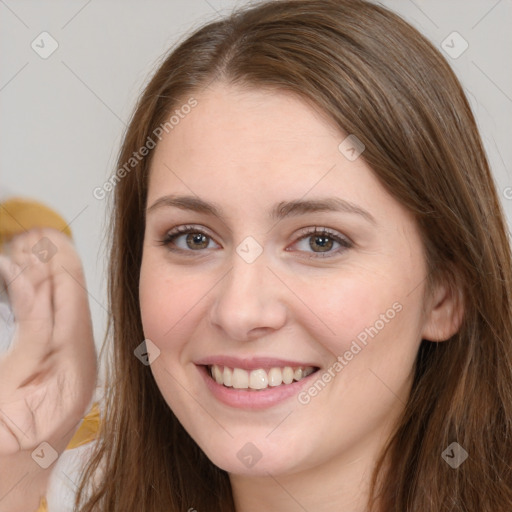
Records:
x=249, y=301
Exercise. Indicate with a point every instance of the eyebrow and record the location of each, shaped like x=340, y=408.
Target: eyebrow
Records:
x=278, y=212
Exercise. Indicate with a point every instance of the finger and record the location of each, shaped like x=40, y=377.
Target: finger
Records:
x=22, y=254
x=60, y=269
x=27, y=285
x=33, y=327
x=73, y=333
x=30, y=293
x=72, y=315
x=40, y=253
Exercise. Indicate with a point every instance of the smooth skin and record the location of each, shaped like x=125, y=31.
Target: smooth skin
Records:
x=48, y=375
x=246, y=150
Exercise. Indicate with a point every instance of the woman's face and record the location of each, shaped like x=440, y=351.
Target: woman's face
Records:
x=247, y=286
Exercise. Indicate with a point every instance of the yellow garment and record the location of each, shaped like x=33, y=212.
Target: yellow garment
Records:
x=16, y=216
x=43, y=506
x=88, y=430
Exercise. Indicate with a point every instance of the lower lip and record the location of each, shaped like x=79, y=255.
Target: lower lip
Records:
x=247, y=399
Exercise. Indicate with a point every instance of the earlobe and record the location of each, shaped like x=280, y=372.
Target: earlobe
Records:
x=444, y=315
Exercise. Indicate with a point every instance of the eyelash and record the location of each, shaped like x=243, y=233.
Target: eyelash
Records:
x=344, y=242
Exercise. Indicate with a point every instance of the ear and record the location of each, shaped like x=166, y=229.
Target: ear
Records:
x=444, y=312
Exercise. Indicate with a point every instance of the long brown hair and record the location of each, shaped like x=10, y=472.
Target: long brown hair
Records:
x=379, y=79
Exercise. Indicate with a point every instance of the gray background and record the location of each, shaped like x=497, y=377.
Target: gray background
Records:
x=62, y=118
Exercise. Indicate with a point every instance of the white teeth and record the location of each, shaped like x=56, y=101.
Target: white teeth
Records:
x=288, y=375
x=239, y=378
x=258, y=379
x=227, y=376
x=275, y=377
x=217, y=375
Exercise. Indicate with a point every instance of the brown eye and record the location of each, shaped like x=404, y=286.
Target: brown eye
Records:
x=197, y=241
x=322, y=243
x=187, y=239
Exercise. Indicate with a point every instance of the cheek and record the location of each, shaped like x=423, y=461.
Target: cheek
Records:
x=169, y=302
x=370, y=326
x=351, y=303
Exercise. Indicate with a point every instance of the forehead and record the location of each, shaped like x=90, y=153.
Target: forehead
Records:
x=252, y=146
x=245, y=123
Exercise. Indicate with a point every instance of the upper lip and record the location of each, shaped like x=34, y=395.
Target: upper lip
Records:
x=252, y=363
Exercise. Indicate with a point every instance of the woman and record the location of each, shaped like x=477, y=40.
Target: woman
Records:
x=369, y=369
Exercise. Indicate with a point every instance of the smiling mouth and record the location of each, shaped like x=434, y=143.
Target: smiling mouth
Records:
x=259, y=379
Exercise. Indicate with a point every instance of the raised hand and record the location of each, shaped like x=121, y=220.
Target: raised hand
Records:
x=48, y=374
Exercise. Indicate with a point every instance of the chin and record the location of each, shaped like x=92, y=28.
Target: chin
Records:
x=251, y=459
